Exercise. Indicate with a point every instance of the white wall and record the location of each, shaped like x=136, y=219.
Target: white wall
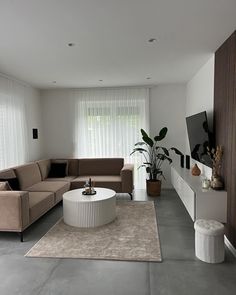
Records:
x=58, y=122
x=34, y=120
x=200, y=97
x=33, y=112
x=167, y=109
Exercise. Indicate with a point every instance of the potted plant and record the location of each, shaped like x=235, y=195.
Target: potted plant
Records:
x=154, y=156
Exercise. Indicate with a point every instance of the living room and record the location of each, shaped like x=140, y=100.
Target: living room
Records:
x=78, y=81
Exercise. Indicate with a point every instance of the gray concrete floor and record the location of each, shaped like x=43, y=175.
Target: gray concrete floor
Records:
x=179, y=273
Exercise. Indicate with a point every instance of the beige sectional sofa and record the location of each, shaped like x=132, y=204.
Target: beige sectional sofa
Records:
x=39, y=193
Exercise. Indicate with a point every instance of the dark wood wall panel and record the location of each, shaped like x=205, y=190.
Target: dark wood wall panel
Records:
x=225, y=123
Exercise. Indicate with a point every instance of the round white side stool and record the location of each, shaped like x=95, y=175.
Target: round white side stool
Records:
x=209, y=240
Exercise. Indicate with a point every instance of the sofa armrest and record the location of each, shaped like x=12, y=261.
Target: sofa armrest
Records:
x=127, y=178
x=14, y=210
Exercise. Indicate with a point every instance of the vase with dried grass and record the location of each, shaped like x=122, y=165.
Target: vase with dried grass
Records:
x=216, y=155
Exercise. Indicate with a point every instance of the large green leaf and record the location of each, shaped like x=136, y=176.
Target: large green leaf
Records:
x=147, y=139
x=176, y=151
x=147, y=163
x=144, y=134
x=169, y=159
x=165, y=150
x=162, y=134
x=164, y=157
x=141, y=166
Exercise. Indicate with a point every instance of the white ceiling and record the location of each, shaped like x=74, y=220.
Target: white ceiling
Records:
x=111, y=38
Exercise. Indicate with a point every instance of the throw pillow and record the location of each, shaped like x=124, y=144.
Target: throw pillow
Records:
x=57, y=170
x=13, y=182
x=4, y=186
x=62, y=161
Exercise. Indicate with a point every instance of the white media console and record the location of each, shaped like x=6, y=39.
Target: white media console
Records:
x=200, y=203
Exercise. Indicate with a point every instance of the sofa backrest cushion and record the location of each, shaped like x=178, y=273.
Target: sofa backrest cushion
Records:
x=100, y=166
x=28, y=175
x=73, y=167
x=44, y=167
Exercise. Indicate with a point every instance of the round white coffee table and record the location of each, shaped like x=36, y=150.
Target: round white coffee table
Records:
x=89, y=211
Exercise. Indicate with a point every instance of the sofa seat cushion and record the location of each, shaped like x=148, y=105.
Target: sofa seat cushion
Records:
x=106, y=181
x=39, y=203
x=67, y=178
x=56, y=187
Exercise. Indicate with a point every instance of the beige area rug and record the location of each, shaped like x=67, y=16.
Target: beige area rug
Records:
x=133, y=235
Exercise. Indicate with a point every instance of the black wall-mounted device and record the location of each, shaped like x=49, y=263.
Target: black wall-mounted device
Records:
x=35, y=133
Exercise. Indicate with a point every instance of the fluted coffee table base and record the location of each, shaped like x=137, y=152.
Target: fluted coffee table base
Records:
x=89, y=211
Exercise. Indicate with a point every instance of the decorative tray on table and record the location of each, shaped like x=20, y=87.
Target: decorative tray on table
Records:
x=89, y=194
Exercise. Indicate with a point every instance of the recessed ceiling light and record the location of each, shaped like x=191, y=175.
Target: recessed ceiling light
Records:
x=152, y=40
x=148, y=78
x=71, y=44
x=100, y=80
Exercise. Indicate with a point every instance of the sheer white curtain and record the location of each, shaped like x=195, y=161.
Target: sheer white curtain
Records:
x=109, y=122
x=13, y=149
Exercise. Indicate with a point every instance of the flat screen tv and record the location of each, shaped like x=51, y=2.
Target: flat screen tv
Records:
x=199, y=138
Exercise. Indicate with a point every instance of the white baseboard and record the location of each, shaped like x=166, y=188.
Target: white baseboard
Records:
x=230, y=246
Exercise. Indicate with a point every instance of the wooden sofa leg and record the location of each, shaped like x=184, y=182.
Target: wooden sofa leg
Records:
x=131, y=196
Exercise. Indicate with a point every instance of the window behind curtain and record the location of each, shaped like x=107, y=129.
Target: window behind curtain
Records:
x=12, y=124
x=109, y=123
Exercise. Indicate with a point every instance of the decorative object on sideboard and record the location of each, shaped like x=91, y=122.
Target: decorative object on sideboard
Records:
x=206, y=183
x=154, y=156
x=196, y=170
x=216, y=155
x=187, y=162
